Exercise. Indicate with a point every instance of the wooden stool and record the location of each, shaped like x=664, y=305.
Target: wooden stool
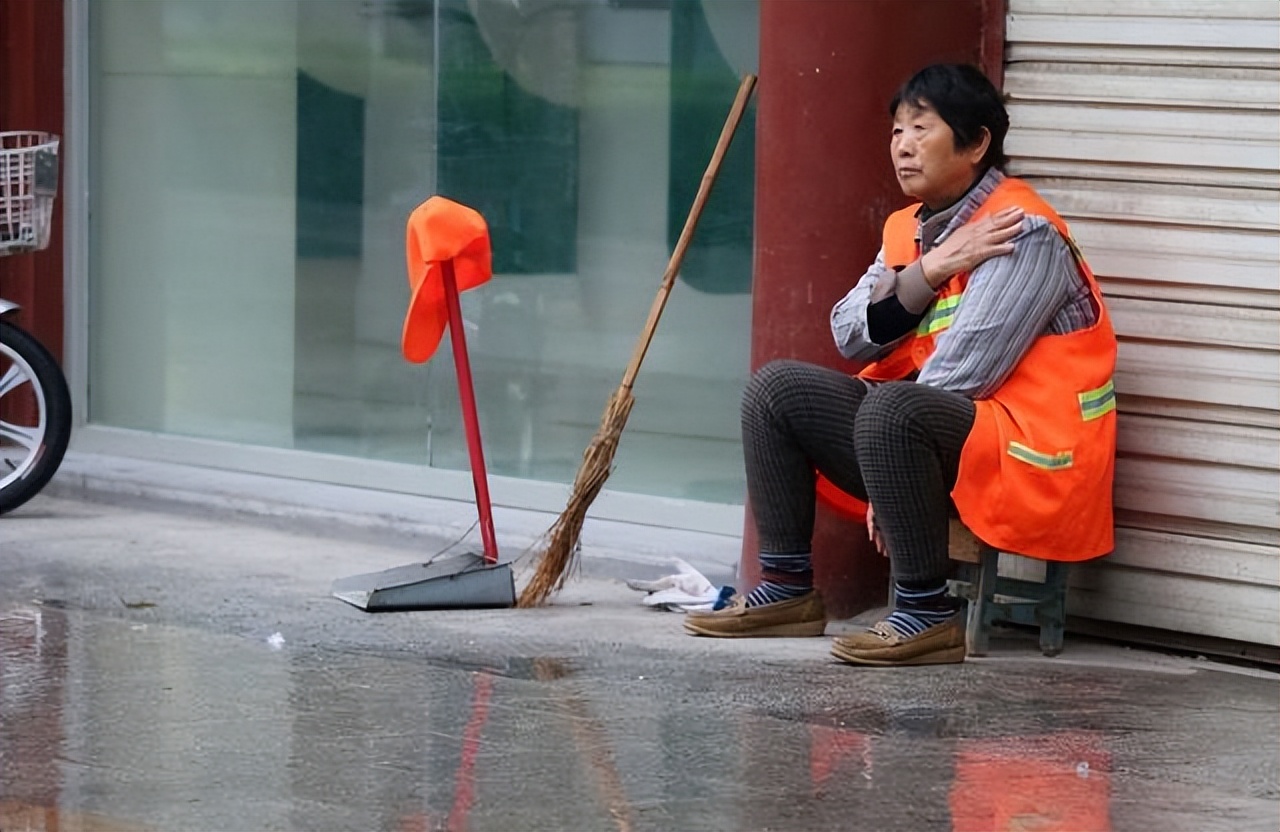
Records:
x=1033, y=603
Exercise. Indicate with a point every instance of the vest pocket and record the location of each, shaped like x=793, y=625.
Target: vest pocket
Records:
x=1039, y=459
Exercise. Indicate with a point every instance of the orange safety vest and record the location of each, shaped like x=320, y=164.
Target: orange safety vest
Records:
x=1037, y=468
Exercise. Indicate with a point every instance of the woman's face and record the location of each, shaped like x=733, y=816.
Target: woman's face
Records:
x=925, y=158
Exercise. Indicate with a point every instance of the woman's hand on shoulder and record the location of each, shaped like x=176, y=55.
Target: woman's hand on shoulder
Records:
x=972, y=244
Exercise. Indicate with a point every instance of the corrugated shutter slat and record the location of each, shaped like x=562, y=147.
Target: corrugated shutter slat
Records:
x=1153, y=126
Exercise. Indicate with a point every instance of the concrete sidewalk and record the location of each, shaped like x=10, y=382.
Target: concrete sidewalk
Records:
x=172, y=664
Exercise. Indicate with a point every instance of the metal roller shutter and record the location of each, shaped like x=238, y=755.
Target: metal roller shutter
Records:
x=1154, y=128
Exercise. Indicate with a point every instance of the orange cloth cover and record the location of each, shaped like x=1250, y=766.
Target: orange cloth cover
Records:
x=841, y=502
x=438, y=230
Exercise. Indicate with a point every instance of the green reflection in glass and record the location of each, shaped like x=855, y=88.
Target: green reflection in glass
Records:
x=330, y=169
x=702, y=87
x=507, y=152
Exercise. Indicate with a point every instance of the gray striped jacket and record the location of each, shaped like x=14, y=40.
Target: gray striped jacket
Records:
x=1008, y=303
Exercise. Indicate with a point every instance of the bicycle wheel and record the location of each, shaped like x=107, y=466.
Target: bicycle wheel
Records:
x=35, y=416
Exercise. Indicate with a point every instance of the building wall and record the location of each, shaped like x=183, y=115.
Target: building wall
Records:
x=1154, y=129
x=823, y=185
x=270, y=153
x=32, y=98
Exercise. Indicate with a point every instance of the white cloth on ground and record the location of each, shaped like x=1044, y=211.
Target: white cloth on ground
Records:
x=688, y=589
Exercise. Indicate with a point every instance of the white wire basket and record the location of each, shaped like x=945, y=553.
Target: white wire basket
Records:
x=28, y=182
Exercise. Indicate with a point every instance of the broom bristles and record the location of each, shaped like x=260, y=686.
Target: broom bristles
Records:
x=597, y=461
x=556, y=561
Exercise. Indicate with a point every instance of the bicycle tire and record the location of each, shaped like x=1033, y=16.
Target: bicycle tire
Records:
x=49, y=388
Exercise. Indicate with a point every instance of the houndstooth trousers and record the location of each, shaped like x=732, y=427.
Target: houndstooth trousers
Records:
x=895, y=443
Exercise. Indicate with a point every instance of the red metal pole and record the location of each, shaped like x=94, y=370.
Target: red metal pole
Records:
x=470, y=418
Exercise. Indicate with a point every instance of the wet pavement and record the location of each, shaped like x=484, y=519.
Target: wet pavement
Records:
x=163, y=670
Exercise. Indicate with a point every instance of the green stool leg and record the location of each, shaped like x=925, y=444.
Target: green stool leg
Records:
x=978, y=627
x=1051, y=613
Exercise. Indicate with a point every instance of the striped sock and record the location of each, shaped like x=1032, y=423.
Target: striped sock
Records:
x=783, y=577
x=920, y=606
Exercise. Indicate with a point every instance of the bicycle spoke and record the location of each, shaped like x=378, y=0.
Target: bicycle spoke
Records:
x=26, y=437
x=12, y=380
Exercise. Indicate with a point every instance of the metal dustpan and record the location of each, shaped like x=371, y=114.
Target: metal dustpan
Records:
x=468, y=581
x=465, y=581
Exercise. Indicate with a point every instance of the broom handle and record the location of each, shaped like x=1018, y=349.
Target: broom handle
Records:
x=686, y=236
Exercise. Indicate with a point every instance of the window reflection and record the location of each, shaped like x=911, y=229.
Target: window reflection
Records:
x=252, y=167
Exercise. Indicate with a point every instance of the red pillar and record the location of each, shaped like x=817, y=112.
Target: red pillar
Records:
x=824, y=186
x=32, y=98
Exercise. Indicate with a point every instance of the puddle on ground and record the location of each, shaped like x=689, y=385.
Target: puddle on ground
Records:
x=107, y=725
x=20, y=817
x=541, y=669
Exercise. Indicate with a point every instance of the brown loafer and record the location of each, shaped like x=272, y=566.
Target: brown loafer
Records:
x=883, y=645
x=803, y=616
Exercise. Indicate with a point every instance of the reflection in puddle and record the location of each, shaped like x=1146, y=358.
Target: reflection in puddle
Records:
x=588, y=734
x=464, y=790
x=540, y=669
x=20, y=817
x=834, y=750
x=1055, y=783
x=32, y=680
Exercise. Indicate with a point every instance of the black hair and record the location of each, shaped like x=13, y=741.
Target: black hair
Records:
x=966, y=100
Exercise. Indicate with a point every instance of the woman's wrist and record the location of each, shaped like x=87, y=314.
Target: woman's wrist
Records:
x=933, y=273
x=913, y=289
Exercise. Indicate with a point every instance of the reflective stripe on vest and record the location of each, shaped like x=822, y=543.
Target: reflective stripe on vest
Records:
x=1047, y=462
x=1098, y=402
x=941, y=315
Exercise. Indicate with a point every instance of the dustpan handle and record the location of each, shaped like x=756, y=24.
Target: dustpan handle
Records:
x=470, y=417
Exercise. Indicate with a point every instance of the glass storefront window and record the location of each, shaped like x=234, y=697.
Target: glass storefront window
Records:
x=252, y=166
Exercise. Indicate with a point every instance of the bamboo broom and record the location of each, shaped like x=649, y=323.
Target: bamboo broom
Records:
x=555, y=562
